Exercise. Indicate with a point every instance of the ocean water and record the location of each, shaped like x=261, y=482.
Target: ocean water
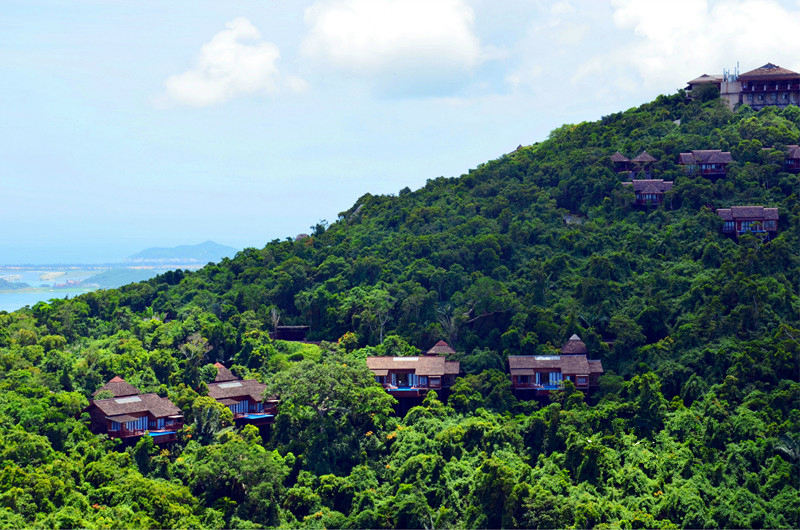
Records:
x=17, y=299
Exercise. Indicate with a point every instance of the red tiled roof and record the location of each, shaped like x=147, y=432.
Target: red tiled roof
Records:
x=440, y=348
x=768, y=71
x=223, y=374
x=118, y=388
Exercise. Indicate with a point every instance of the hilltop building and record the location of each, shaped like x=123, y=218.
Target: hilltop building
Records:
x=542, y=374
x=710, y=163
x=129, y=415
x=768, y=85
x=757, y=220
x=696, y=85
x=413, y=377
x=244, y=397
x=649, y=192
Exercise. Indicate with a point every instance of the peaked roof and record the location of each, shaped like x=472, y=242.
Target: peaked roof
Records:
x=151, y=403
x=644, y=158
x=769, y=71
x=223, y=374
x=619, y=157
x=440, y=348
x=705, y=78
x=792, y=151
x=574, y=346
x=237, y=388
x=118, y=387
x=735, y=213
x=705, y=156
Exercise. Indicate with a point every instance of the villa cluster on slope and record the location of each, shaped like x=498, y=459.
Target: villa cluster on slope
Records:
x=713, y=165
x=544, y=373
x=129, y=414
x=767, y=86
x=414, y=377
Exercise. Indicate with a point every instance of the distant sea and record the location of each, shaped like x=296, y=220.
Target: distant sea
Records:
x=17, y=299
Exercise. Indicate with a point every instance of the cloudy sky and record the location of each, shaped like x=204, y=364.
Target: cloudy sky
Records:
x=126, y=124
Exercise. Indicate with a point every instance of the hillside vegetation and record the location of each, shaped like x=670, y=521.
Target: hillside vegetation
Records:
x=696, y=423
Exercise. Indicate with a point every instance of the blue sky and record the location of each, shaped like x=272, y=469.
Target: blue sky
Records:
x=127, y=124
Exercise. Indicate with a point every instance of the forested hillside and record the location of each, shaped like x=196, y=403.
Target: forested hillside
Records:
x=696, y=423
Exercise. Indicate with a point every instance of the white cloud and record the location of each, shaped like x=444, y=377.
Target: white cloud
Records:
x=236, y=61
x=404, y=46
x=678, y=40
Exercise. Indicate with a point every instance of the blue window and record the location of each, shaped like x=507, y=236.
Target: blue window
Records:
x=139, y=424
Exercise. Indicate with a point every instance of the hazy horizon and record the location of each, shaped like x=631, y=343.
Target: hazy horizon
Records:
x=128, y=125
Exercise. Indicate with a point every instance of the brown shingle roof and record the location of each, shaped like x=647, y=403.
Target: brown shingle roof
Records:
x=595, y=366
x=792, y=151
x=705, y=156
x=223, y=374
x=619, y=157
x=644, y=158
x=568, y=364
x=650, y=185
x=237, y=389
x=452, y=367
x=574, y=346
x=440, y=348
x=423, y=365
x=151, y=403
x=768, y=71
x=736, y=213
x=118, y=388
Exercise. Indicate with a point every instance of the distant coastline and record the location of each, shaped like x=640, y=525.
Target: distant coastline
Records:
x=27, y=284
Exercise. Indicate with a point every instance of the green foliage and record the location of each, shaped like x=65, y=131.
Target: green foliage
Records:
x=332, y=412
x=695, y=423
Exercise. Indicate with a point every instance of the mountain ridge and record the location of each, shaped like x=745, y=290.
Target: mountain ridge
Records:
x=201, y=252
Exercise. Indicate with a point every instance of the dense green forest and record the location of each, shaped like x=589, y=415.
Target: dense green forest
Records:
x=696, y=422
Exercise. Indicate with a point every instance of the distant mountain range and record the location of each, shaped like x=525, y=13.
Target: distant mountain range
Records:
x=201, y=253
x=7, y=285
